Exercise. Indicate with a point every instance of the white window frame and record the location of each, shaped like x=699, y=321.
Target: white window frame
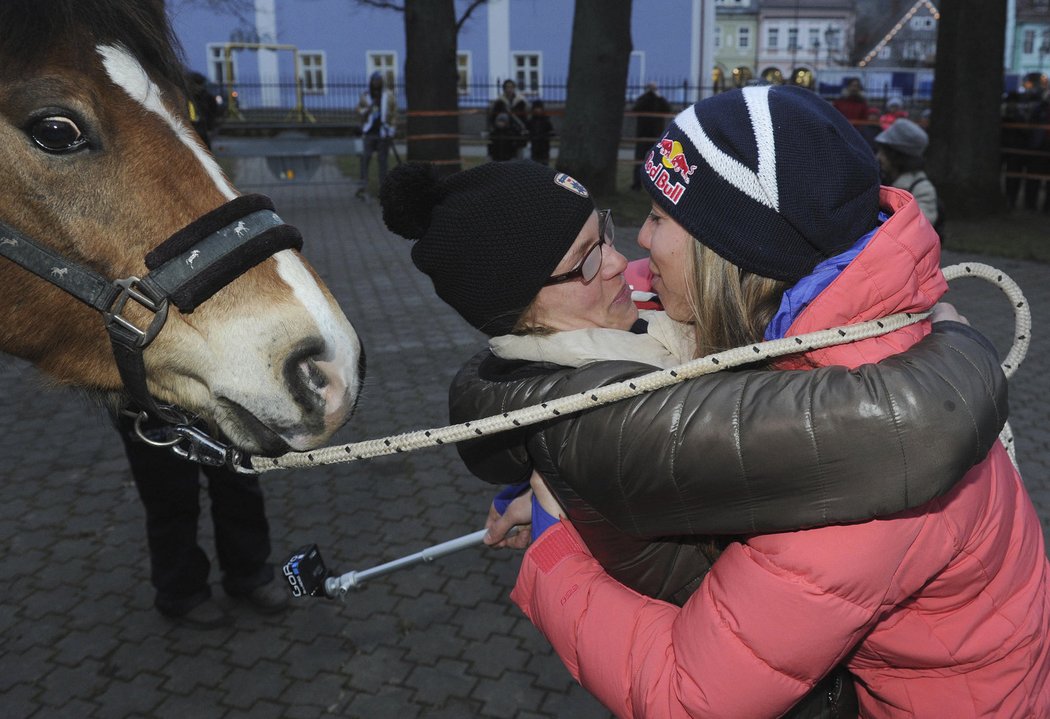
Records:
x=1028, y=43
x=314, y=77
x=522, y=73
x=793, y=45
x=743, y=37
x=718, y=36
x=216, y=64
x=385, y=61
x=464, y=71
x=772, y=39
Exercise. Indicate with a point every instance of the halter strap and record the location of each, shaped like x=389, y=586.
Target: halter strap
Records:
x=185, y=270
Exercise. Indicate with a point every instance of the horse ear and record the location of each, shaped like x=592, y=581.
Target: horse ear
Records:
x=408, y=197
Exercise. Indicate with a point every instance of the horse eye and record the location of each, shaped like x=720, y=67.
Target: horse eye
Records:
x=57, y=134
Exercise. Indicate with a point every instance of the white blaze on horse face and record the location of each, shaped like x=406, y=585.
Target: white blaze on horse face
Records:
x=339, y=363
x=125, y=71
x=337, y=390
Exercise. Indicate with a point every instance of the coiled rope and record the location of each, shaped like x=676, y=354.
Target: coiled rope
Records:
x=410, y=441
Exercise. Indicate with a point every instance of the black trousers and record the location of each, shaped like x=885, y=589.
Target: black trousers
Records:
x=170, y=491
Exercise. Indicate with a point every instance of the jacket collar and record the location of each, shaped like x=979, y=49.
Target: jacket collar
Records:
x=898, y=271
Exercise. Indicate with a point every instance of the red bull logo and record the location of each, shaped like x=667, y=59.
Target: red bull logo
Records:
x=662, y=179
x=673, y=158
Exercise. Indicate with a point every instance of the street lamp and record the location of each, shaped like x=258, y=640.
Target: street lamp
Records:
x=831, y=40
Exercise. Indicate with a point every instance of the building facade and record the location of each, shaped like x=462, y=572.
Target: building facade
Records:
x=688, y=47
x=1028, y=45
x=260, y=46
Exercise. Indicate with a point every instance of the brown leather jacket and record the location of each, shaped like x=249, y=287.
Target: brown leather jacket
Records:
x=738, y=452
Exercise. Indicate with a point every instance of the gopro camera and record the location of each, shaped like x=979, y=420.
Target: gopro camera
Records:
x=306, y=572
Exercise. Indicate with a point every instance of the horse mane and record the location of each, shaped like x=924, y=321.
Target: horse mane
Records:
x=32, y=30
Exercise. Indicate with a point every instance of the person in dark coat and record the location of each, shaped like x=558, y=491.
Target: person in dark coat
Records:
x=515, y=107
x=540, y=133
x=170, y=488
x=652, y=117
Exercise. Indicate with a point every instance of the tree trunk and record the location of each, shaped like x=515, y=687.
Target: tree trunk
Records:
x=597, y=87
x=963, y=157
x=432, y=122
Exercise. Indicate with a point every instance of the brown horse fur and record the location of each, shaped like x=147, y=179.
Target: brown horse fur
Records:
x=105, y=205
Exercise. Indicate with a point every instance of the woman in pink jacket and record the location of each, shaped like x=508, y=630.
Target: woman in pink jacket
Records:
x=759, y=198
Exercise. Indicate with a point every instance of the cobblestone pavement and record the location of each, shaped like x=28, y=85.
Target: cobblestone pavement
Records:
x=81, y=639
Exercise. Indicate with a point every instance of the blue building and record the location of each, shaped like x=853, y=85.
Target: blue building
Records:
x=261, y=46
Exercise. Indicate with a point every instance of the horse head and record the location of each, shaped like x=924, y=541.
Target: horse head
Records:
x=100, y=165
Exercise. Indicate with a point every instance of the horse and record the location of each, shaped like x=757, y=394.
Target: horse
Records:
x=99, y=165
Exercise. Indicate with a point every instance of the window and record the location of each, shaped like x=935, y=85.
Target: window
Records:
x=832, y=37
x=814, y=38
x=385, y=62
x=1029, y=42
x=792, y=38
x=743, y=37
x=463, y=72
x=718, y=36
x=526, y=68
x=925, y=22
x=773, y=38
x=886, y=53
x=218, y=72
x=312, y=72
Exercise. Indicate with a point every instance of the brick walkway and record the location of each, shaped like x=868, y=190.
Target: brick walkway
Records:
x=80, y=637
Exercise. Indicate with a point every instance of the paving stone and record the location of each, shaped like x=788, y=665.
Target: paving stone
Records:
x=22, y=700
x=436, y=684
x=263, y=680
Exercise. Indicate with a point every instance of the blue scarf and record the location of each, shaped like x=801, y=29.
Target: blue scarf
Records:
x=798, y=297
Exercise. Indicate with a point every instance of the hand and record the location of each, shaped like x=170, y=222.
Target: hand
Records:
x=945, y=311
x=544, y=497
x=518, y=514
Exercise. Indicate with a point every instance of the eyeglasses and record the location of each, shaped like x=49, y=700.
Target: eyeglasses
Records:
x=591, y=263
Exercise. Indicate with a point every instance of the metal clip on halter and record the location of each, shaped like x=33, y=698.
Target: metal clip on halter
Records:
x=196, y=446
x=190, y=442
x=131, y=288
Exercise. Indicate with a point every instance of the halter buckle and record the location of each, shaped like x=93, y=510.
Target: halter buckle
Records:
x=132, y=288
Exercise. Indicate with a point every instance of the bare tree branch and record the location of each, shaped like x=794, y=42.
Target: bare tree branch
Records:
x=385, y=4
x=467, y=12
x=242, y=10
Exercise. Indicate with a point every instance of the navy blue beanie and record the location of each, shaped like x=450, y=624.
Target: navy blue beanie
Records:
x=772, y=178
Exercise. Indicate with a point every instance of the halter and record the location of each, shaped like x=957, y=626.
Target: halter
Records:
x=184, y=271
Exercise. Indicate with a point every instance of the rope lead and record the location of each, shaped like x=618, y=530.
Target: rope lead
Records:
x=420, y=439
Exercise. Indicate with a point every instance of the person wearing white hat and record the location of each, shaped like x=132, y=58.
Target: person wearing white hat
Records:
x=901, y=147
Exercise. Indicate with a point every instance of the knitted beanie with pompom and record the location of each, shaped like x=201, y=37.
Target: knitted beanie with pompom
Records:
x=488, y=237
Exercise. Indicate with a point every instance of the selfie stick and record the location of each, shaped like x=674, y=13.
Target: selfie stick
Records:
x=307, y=574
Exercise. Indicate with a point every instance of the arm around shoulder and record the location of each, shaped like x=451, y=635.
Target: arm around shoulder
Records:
x=760, y=451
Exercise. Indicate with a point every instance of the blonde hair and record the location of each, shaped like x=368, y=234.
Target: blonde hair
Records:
x=730, y=306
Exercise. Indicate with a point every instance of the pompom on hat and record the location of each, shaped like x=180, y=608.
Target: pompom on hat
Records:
x=488, y=237
x=772, y=178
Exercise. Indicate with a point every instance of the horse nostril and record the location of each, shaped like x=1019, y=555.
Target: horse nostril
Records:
x=306, y=381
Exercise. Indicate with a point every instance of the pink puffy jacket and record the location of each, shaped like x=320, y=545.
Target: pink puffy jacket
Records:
x=942, y=611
